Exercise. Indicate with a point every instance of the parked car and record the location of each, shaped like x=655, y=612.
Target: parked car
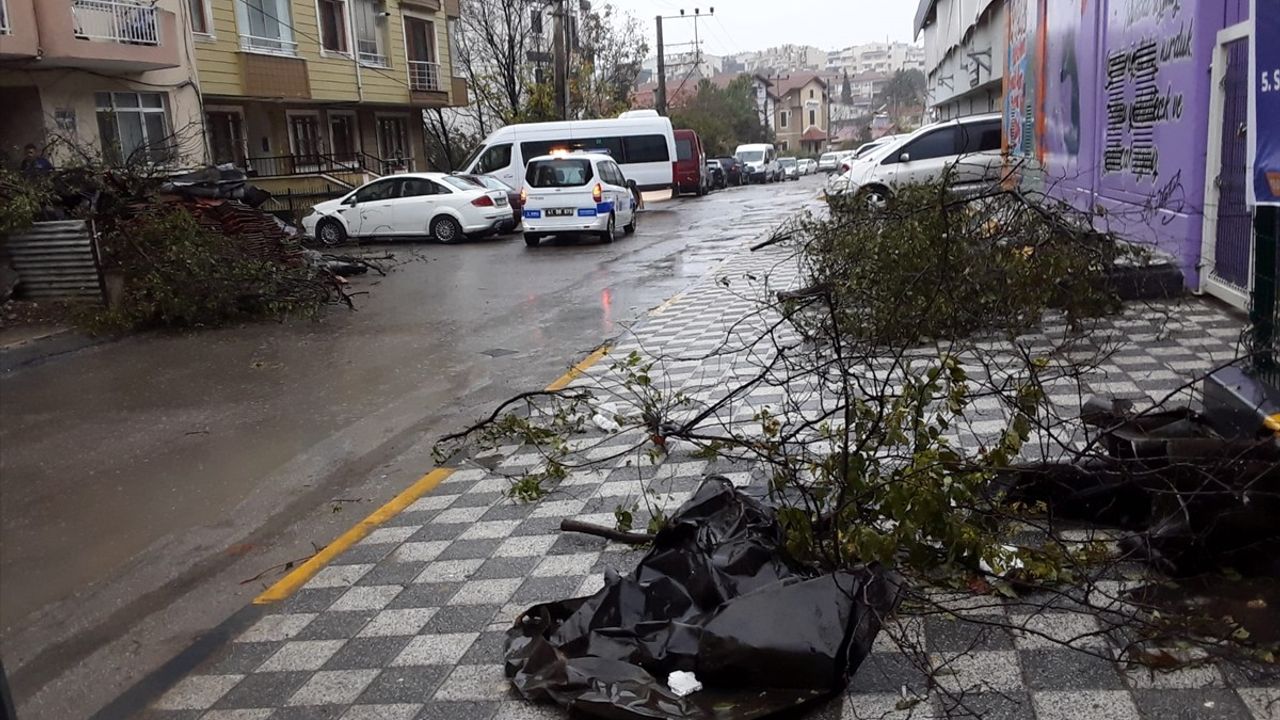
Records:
x=691, y=164
x=733, y=174
x=576, y=192
x=760, y=161
x=828, y=161
x=716, y=173
x=790, y=168
x=438, y=205
x=808, y=166
x=968, y=146
x=493, y=183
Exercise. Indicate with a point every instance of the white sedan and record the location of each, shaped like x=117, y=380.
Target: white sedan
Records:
x=422, y=204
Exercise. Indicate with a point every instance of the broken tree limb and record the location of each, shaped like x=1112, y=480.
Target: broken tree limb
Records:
x=630, y=538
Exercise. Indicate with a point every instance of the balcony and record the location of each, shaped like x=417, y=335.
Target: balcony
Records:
x=425, y=87
x=114, y=35
x=18, y=37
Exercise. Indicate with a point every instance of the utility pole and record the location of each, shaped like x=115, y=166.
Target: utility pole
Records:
x=660, y=100
x=561, y=31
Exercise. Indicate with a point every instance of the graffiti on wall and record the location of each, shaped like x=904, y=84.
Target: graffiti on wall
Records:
x=1141, y=94
x=1019, y=85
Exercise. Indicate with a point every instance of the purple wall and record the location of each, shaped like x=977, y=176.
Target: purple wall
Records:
x=1125, y=112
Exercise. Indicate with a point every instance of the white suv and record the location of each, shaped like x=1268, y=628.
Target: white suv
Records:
x=576, y=192
x=968, y=147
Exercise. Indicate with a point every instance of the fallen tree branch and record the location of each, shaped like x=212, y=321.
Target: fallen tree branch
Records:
x=630, y=538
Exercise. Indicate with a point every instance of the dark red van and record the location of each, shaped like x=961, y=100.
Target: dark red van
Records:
x=690, y=167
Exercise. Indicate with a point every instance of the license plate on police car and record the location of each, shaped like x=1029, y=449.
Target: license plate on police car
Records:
x=560, y=212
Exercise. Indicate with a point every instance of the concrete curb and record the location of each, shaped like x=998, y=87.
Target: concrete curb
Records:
x=36, y=350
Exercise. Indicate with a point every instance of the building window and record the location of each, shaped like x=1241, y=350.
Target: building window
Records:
x=810, y=92
x=782, y=119
x=333, y=25
x=812, y=117
x=266, y=26
x=134, y=127
x=199, y=11
x=784, y=146
x=65, y=120
x=371, y=32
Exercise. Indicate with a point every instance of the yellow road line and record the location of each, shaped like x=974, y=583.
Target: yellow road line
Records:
x=574, y=372
x=298, y=577
x=287, y=585
x=666, y=305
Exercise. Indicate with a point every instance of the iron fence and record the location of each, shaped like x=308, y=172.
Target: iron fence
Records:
x=424, y=76
x=116, y=21
x=1264, y=314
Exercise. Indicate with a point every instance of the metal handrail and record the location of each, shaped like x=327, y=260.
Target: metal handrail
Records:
x=119, y=21
x=424, y=76
x=273, y=46
x=309, y=163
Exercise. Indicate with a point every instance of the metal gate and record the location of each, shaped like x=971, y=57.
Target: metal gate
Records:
x=1227, y=238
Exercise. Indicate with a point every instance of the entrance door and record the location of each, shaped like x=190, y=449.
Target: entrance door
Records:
x=1227, y=242
x=342, y=137
x=393, y=143
x=226, y=137
x=304, y=140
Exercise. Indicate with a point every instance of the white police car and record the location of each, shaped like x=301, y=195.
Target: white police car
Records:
x=575, y=192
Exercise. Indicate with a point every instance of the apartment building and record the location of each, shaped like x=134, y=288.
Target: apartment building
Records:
x=332, y=87
x=802, y=113
x=879, y=57
x=108, y=80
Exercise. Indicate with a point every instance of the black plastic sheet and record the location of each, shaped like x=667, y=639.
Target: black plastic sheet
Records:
x=715, y=596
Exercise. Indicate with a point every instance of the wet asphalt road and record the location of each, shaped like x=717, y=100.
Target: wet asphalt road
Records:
x=146, y=484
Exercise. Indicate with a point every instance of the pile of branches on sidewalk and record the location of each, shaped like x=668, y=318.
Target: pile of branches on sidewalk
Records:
x=186, y=251
x=923, y=365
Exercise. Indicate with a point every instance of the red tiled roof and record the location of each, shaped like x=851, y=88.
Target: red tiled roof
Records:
x=788, y=83
x=813, y=134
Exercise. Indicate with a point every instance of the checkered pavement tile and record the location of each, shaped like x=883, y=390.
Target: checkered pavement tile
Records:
x=410, y=623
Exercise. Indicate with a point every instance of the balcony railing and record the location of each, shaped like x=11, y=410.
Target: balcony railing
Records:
x=311, y=163
x=270, y=45
x=115, y=21
x=424, y=76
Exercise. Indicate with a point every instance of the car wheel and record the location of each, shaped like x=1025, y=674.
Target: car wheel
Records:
x=446, y=230
x=631, y=226
x=877, y=196
x=609, y=230
x=532, y=239
x=330, y=232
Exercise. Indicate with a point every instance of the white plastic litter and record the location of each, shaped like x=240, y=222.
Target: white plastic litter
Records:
x=683, y=683
x=606, y=424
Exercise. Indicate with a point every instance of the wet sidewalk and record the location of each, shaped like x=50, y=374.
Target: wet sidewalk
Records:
x=408, y=624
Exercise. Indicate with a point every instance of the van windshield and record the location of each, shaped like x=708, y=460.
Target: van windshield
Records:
x=829, y=156
x=751, y=155
x=472, y=157
x=561, y=172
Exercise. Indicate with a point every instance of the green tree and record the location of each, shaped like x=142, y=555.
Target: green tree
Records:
x=906, y=87
x=723, y=118
x=846, y=90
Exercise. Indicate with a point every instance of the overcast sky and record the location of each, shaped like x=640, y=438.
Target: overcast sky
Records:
x=743, y=25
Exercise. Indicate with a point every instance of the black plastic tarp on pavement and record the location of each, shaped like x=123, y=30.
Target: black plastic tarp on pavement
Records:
x=715, y=596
